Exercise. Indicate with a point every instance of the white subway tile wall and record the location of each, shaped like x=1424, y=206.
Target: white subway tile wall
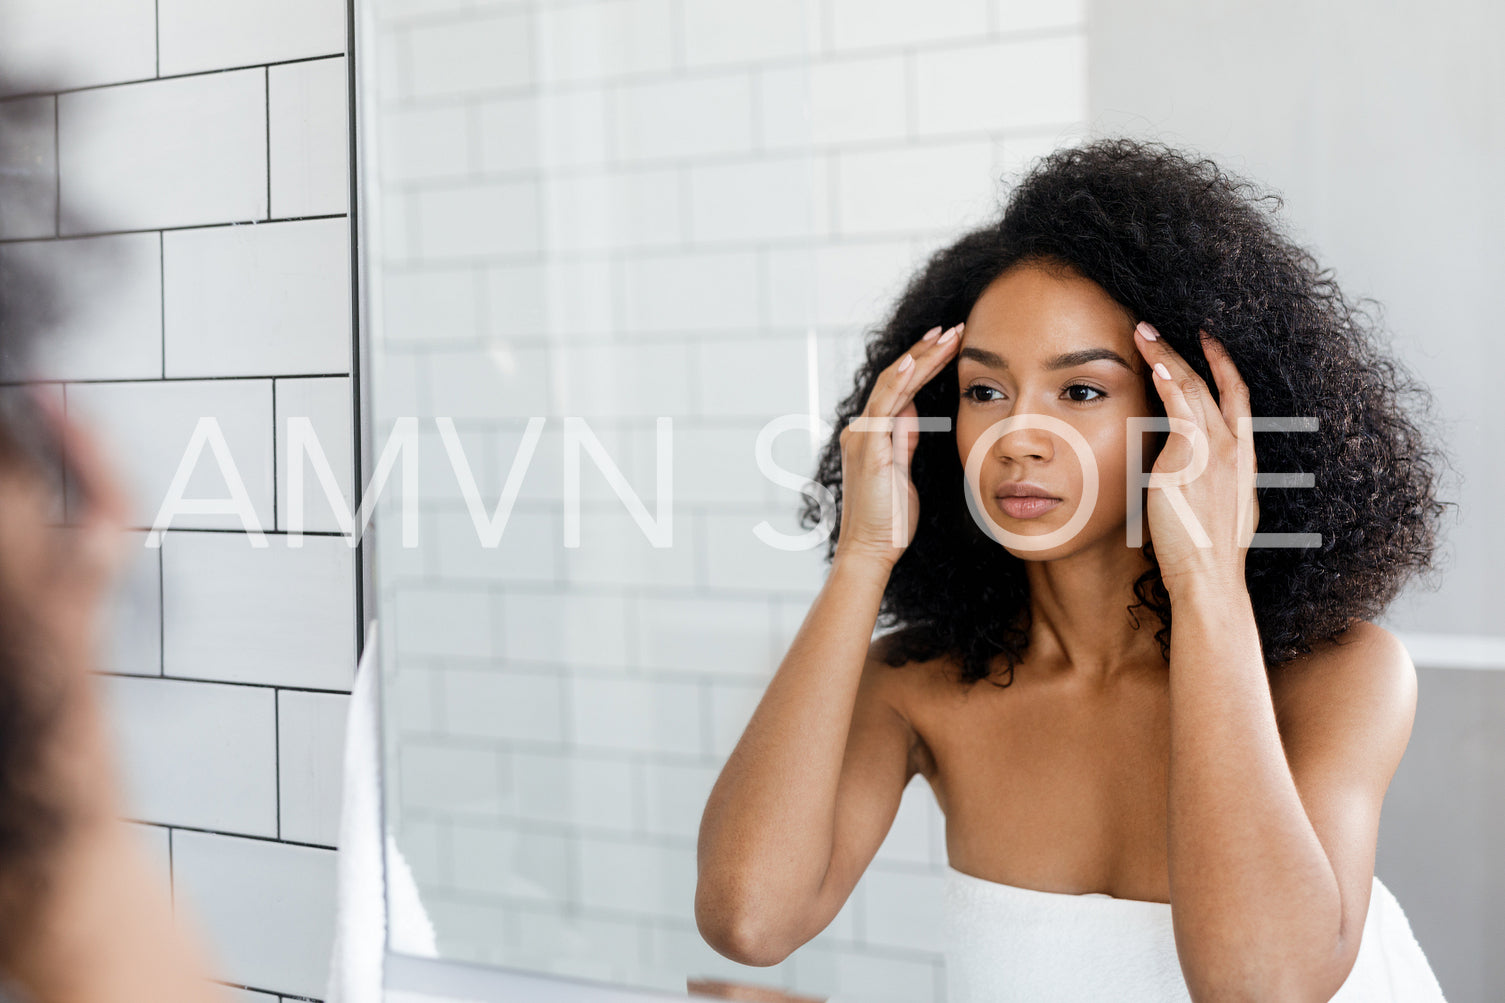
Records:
x=154, y=843
x=275, y=616
x=267, y=907
x=309, y=150
x=79, y=43
x=193, y=36
x=197, y=755
x=192, y=192
x=113, y=336
x=615, y=210
x=178, y=152
x=249, y=996
x=147, y=425
x=324, y=403
x=134, y=646
x=30, y=165
x=251, y=300
x=310, y=757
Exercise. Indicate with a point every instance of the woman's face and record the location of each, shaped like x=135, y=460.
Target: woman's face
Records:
x=1051, y=343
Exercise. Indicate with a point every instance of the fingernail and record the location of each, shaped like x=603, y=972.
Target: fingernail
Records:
x=1161, y=371
x=1149, y=332
x=931, y=334
x=906, y=362
x=951, y=333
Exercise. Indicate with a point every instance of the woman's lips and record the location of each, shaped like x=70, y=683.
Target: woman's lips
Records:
x=1025, y=507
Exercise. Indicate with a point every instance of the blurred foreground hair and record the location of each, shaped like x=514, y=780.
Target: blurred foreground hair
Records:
x=32, y=818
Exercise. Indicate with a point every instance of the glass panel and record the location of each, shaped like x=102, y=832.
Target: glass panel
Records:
x=630, y=238
x=622, y=260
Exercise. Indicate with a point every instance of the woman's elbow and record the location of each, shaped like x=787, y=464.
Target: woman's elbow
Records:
x=1284, y=979
x=737, y=935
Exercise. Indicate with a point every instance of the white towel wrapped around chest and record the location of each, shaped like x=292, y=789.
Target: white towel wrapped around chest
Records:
x=1005, y=943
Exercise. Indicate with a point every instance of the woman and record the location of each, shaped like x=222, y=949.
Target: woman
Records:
x=1132, y=812
x=83, y=915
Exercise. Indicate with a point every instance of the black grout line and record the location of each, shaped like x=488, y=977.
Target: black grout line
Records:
x=57, y=168
x=227, y=682
x=174, y=229
x=157, y=35
x=235, y=531
x=275, y=524
x=174, y=379
x=162, y=294
x=352, y=211
x=66, y=505
x=277, y=756
x=284, y=997
x=174, y=827
x=266, y=77
x=172, y=880
x=177, y=76
x=161, y=613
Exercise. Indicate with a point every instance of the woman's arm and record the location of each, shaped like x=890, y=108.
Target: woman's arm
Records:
x=813, y=785
x=1272, y=836
x=1272, y=821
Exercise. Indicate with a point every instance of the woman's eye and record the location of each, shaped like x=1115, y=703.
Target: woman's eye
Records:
x=978, y=388
x=1083, y=386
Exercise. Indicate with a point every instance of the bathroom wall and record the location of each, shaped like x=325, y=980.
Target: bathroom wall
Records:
x=197, y=161
x=618, y=210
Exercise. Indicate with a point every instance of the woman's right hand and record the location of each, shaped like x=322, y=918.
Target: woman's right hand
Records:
x=874, y=473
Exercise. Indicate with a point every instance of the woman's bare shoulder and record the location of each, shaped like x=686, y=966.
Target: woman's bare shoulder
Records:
x=915, y=681
x=1363, y=659
x=906, y=684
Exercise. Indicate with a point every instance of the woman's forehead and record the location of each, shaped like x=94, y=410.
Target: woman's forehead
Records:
x=1030, y=313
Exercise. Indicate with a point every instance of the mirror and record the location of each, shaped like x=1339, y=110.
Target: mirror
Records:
x=621, y=261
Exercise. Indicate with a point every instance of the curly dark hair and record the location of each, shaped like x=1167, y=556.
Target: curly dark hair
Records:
x=1178, y=241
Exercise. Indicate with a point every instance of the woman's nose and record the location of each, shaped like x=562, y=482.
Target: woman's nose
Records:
x=1032, y=444
x=1025, y=438
x=1033, y=449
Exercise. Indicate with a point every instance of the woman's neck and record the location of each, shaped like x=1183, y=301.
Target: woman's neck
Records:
x=1080, y=621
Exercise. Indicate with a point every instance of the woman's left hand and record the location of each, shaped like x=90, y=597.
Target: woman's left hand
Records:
x=1202, y=526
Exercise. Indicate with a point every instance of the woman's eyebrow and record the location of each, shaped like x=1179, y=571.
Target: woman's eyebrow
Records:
x=1063, y=361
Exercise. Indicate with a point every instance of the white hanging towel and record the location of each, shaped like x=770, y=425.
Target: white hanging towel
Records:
x=361, y=920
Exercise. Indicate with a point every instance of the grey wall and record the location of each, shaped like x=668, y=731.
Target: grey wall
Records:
x=1442, y=828
x=1381, y=125
x=1384, y=129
